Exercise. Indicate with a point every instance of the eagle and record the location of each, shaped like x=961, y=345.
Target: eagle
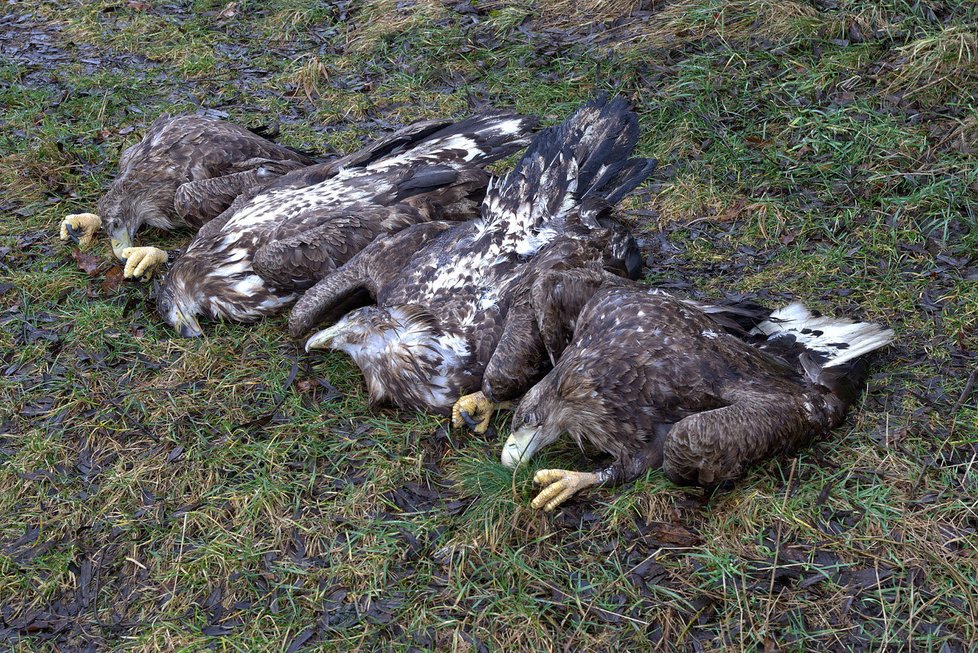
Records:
x=422, y=311
x=655, y=382
x=185, y=171
x=540, y=324
x=256, y=258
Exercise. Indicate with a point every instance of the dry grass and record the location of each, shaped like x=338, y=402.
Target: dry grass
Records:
x=380, y=19
x=940, y=63
x=309, y=76
x=589, y=12
x=690, y=21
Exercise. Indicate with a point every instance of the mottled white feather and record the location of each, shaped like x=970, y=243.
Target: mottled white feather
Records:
x=840, y=340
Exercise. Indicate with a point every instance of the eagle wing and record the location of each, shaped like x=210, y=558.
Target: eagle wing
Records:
x=653, y=361
x=373, y=151
x=573, y=170
x=188, y=169
x=302, y=250
x=540, y=322
x=213, y=227
x=559, y=296
x=298, y=255
x=362, y=278
x=717, y=445
x=518, y=359
x=199, y=200
x=203, y=148
x=625, y=345
x=396, y=142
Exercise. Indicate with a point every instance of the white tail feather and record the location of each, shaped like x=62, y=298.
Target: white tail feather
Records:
x=839, y=339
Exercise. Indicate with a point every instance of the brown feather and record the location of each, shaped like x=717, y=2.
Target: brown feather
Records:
x=151, y=187
x=645, y=369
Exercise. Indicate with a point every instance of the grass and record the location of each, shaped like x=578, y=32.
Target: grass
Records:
x=161, y=494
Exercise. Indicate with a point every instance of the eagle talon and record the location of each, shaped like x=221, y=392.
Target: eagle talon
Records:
x=80, y=228
x=142, y=261
x=474, y=410
x=559, y=485
x=471, y=423
x=74, y=233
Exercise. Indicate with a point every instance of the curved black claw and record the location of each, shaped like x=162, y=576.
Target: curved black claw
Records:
x=471, y=423
x=74, y=233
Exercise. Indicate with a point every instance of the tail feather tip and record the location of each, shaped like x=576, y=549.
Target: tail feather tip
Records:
x=838, y=340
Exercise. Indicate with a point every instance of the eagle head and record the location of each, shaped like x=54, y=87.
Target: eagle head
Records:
x=179, y=309
x=402, y=353
x=127, y=206
x=535, y=425
x=361, y=335
x=353, y=331
x=565, y=401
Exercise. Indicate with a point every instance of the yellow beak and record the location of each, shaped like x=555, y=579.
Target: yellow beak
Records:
x=186, y=325
x=521, y=445
x=323, y=339
x=120, y=241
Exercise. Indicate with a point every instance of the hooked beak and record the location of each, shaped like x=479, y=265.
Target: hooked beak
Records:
x=521, y=445
x=186, y=325
x=323, y=339
x=121, y=240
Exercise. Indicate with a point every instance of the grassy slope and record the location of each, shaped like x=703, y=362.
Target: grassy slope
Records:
x=823, y=151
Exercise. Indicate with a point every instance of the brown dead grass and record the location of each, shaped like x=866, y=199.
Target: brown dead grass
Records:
x=379, y=19
x=588, y=12
x=309, y=75
x=738, y=19
x=941, y=63
x=28, y=175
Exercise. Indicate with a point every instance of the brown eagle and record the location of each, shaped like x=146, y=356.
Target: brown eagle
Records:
x=442, y=292
x=540, y=324
x=253, y=260
x=185, y=171
x=654, y=382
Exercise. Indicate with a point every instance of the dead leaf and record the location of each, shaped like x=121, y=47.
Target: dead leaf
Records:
x=674, y=534
x=733, y=211
x=113, y=279
x=306, y=386
x=175, y=453
x=138, y=5
x=89, y=263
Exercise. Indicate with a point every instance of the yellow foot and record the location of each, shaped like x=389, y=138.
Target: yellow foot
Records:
x=80, y=227
x=142, y=261
x=559, y=485
x=475, y=410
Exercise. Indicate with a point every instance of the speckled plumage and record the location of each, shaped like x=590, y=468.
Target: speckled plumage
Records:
x=547, y=303
x=256, y=258
x=188, y=169
x=455, y=283
x=654, y=381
